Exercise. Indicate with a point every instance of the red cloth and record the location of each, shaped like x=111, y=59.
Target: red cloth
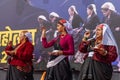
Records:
x=66, y=43
x=23, y=54
x=110, y=57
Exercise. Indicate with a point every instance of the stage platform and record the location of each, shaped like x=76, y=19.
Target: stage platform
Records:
x=38, y=73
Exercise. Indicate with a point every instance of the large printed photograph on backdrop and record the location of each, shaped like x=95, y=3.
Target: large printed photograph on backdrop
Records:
x=18, y=15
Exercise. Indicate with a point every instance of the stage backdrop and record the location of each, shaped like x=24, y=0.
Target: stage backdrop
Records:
x=18, y=15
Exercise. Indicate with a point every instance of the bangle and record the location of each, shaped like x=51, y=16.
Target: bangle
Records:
x=85, y=38
x=105, y=53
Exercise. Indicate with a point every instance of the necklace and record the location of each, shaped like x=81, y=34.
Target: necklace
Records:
x=97, y=43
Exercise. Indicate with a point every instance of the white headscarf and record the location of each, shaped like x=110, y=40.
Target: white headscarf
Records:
x=54, y=14
x=74, y=8
x=109, y=6
x=29, y=36
x=42, y=17
x=94, y=8
x=108, y=38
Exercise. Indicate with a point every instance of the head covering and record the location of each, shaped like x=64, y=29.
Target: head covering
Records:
x=42, y=17
x=74, y=8
x=29, y=36
x=67, y=25
x=108, y=38
x=92, y=7
x=108, y=5
x=54, y=14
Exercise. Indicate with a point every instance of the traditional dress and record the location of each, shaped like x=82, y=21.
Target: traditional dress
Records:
x=97, y=66
x=60, y=69
x=20, y=65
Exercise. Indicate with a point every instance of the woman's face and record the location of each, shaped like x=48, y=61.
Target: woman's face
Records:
x=71, y=13
x=40, y=21
x=60, y=28
x=99, y=32
x=52, y=18
x=89, y=11
x=105, y=12
x=22, y=36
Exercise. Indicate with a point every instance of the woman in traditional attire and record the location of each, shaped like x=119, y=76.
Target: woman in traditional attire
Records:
x=74, y=18
x=92, y=19
x=100, y=51
x=20, y=58
x=58, y=67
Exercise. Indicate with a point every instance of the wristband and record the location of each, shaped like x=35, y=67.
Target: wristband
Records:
x=85, y=38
